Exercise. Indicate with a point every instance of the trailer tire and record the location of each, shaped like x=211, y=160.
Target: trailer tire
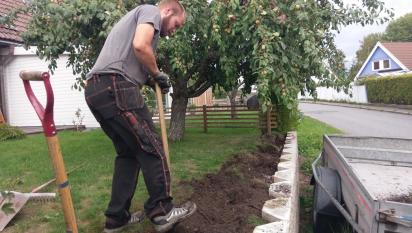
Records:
x=326, y=217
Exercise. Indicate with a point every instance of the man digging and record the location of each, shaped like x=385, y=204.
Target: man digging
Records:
x=113, y=95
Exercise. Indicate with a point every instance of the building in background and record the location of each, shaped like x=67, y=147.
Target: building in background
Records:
x=392, y=58
x=14, y=104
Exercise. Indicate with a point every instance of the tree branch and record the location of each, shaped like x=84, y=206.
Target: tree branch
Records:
x=199, y=90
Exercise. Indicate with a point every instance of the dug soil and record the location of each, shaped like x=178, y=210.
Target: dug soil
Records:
x=231, y=200
x=403, y=199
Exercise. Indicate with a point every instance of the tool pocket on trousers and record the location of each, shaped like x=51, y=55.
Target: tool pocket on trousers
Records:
x=101, y=101
x=148, y=139
x=145, y=136
x=128, y=96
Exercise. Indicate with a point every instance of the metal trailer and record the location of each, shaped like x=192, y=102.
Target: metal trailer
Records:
x=355, y=178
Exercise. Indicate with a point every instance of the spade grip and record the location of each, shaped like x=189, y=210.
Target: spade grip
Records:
x=32, y=75
x=45, y=114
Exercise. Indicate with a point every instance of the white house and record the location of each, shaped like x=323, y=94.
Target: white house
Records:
x=18, y=110
x=14, y=104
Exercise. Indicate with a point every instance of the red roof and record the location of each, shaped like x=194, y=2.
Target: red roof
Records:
x=12, y=34
x=402, y=51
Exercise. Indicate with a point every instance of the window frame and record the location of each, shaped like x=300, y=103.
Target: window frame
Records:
x=381, y=63
x=373, y=65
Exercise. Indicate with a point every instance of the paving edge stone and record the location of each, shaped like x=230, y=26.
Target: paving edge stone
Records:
x=282, y=212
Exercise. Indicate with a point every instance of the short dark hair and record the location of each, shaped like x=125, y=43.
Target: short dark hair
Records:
x=177, y=6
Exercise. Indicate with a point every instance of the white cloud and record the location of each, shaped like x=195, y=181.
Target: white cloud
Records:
x=349, y=38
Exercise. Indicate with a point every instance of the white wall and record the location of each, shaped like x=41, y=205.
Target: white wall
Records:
x=359, y=94
x=66, y=102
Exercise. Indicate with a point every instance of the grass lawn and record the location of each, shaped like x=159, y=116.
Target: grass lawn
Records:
x=310, y=139
x=25, y=164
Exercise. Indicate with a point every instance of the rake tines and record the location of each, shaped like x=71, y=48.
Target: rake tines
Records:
x=42, y=197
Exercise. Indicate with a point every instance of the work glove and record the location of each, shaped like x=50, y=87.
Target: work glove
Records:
x=163, y=80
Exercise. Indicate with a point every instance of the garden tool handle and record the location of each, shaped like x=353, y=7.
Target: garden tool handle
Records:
x=45, y=114
x=162, y=121
x=163, y=128
x=163, y=125
x=31, y=75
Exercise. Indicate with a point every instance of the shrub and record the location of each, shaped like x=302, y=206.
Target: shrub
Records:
x=8, y=132
x=390, y=90
x=288, y=118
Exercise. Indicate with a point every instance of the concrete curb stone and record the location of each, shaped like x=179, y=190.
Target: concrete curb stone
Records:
x=282, y=212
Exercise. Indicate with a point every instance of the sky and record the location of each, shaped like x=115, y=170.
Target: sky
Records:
x=350, y=37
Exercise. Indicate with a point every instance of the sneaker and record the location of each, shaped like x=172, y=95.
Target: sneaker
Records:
x=112, y=226
x=177, y=214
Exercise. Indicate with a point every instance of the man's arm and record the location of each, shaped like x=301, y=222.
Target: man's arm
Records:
x=142, y=44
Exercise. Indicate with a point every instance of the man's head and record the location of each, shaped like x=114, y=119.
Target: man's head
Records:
x=173, y=16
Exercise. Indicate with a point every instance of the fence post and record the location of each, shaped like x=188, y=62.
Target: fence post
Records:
x=204, y=119
x=268, y=121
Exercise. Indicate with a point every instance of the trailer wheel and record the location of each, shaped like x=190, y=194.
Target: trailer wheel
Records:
x=326, y=217
x=323, y=223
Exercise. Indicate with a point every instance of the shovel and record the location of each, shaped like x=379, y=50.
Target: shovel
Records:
x=163, y=127
x=46, y=117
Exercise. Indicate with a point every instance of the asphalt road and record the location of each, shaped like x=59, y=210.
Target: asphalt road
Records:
x=361, y=122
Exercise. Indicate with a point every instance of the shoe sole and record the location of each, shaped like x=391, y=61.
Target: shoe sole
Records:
x=163, y=229
x=140, y=219
x=116, y=230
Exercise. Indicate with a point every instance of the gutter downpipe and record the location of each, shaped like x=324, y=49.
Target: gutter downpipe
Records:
x=5, y=59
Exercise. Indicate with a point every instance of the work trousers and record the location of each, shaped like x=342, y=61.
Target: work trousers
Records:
x=119, y=107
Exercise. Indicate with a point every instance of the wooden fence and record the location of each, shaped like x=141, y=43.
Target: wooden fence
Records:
x=240, y=116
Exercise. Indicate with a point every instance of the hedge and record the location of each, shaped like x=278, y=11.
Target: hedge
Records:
x=389, y=90
x=8, y=132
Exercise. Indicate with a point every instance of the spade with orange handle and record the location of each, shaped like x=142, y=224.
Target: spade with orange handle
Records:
x=46, y=117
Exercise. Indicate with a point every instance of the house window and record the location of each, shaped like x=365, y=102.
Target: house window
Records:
x=376, y=65
x=381, y=65
x=386, y=64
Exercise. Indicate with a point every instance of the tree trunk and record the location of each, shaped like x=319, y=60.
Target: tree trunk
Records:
x=232, y=99
x=177, y=121
x=2, y=121
x=179, y=105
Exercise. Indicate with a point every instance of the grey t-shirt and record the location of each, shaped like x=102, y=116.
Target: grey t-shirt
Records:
x=117, y=55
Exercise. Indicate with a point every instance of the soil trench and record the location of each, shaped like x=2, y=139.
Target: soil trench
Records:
x=402, y=199
x=231, y=200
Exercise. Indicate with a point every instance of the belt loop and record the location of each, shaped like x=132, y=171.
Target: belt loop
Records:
x=113, y=77
x=96, y=78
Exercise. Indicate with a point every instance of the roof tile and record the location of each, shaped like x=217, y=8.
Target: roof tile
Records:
x=402, y=51
x=12, y=34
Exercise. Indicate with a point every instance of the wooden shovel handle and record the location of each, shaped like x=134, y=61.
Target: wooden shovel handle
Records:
x=62, y=184
x=32, y=75
x=163, y=127
x=162, y=122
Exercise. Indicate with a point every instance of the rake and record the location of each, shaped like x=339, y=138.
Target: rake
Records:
x=14, y=201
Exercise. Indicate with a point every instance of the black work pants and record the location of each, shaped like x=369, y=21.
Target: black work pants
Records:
x=120, y=109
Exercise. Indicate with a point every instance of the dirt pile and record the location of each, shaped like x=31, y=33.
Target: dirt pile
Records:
x=402, y=198
x=231, y=200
